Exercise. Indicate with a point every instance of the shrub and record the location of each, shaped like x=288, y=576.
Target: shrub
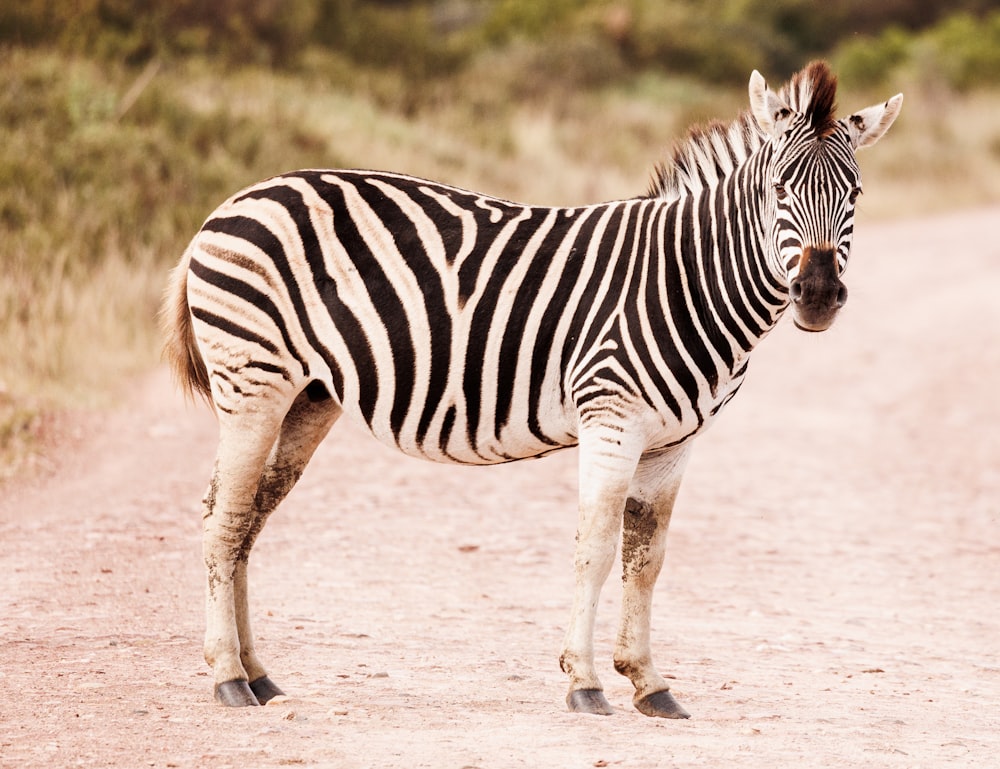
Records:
x=962, y=51
x=868, y=62
x=967, y=50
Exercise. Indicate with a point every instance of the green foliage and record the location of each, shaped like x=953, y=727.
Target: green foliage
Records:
x=961, y=51
x=138, y=30
x=718, y=40
x=967, y=50
x=402, y=36
x=696, y=38
x=529, y=18
x=867, y=62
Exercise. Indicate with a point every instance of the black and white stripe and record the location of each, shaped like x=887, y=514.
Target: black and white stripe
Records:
x=464, y=328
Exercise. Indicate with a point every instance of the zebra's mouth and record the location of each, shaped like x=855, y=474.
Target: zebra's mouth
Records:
x=820, y=321
x=811, y=329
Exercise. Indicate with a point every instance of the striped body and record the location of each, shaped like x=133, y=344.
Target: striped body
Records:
x=466, y=329
x=462, y=328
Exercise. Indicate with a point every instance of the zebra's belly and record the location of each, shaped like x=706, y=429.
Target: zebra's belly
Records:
x=450, y=436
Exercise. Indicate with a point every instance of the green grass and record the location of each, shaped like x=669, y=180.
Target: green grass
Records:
x=107, y=171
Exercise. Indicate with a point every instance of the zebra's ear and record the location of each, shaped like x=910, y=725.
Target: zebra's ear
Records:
x=868, y=125
x=771, y=113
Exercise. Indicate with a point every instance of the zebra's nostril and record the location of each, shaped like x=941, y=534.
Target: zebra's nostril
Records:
x=842, y=296
x=795, y=291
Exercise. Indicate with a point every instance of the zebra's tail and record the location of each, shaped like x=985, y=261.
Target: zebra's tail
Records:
x=179, y=347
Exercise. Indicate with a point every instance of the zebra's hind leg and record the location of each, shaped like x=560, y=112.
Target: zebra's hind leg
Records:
x=644, y=532
x=262, y=450
x=307, y=422
x=228, y=518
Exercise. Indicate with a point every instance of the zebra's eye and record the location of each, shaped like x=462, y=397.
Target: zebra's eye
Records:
x=779, y=190
x=853, y=197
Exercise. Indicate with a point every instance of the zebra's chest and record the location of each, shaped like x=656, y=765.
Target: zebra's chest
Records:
x=725, y=391
x=672, y=419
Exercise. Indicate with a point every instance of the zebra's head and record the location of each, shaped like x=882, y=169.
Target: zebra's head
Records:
x=811, y=184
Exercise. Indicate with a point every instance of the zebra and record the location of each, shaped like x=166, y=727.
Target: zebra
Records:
x=463, y=328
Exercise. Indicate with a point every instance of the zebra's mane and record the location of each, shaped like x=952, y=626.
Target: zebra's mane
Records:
x=711, y=153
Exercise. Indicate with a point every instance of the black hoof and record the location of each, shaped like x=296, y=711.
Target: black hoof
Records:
x=589, y=701
x=235, y=694
x=660, y=705
x=264, y=689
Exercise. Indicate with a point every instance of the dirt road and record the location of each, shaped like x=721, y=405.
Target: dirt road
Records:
x=831, y=599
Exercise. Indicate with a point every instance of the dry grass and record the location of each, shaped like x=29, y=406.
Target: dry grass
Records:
x=942, y=154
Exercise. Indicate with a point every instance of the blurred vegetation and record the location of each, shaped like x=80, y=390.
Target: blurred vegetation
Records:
x=125, y=122
x=718, y=40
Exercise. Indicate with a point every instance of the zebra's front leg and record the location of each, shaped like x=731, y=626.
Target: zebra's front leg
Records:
x=644, y=533
x=607, y=463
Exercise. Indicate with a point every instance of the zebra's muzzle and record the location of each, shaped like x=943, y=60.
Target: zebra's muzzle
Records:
x=816, y=292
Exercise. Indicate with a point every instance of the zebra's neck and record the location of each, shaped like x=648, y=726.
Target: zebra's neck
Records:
x=718, y=282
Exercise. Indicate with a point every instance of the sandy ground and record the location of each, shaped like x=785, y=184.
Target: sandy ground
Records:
x=831, y=599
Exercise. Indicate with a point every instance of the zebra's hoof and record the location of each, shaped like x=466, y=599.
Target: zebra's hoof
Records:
x=235, y=694
x=265, y=689
x=660, y=705
x=589, y=701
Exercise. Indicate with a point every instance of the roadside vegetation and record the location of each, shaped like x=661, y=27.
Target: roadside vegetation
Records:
x=124, y=123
